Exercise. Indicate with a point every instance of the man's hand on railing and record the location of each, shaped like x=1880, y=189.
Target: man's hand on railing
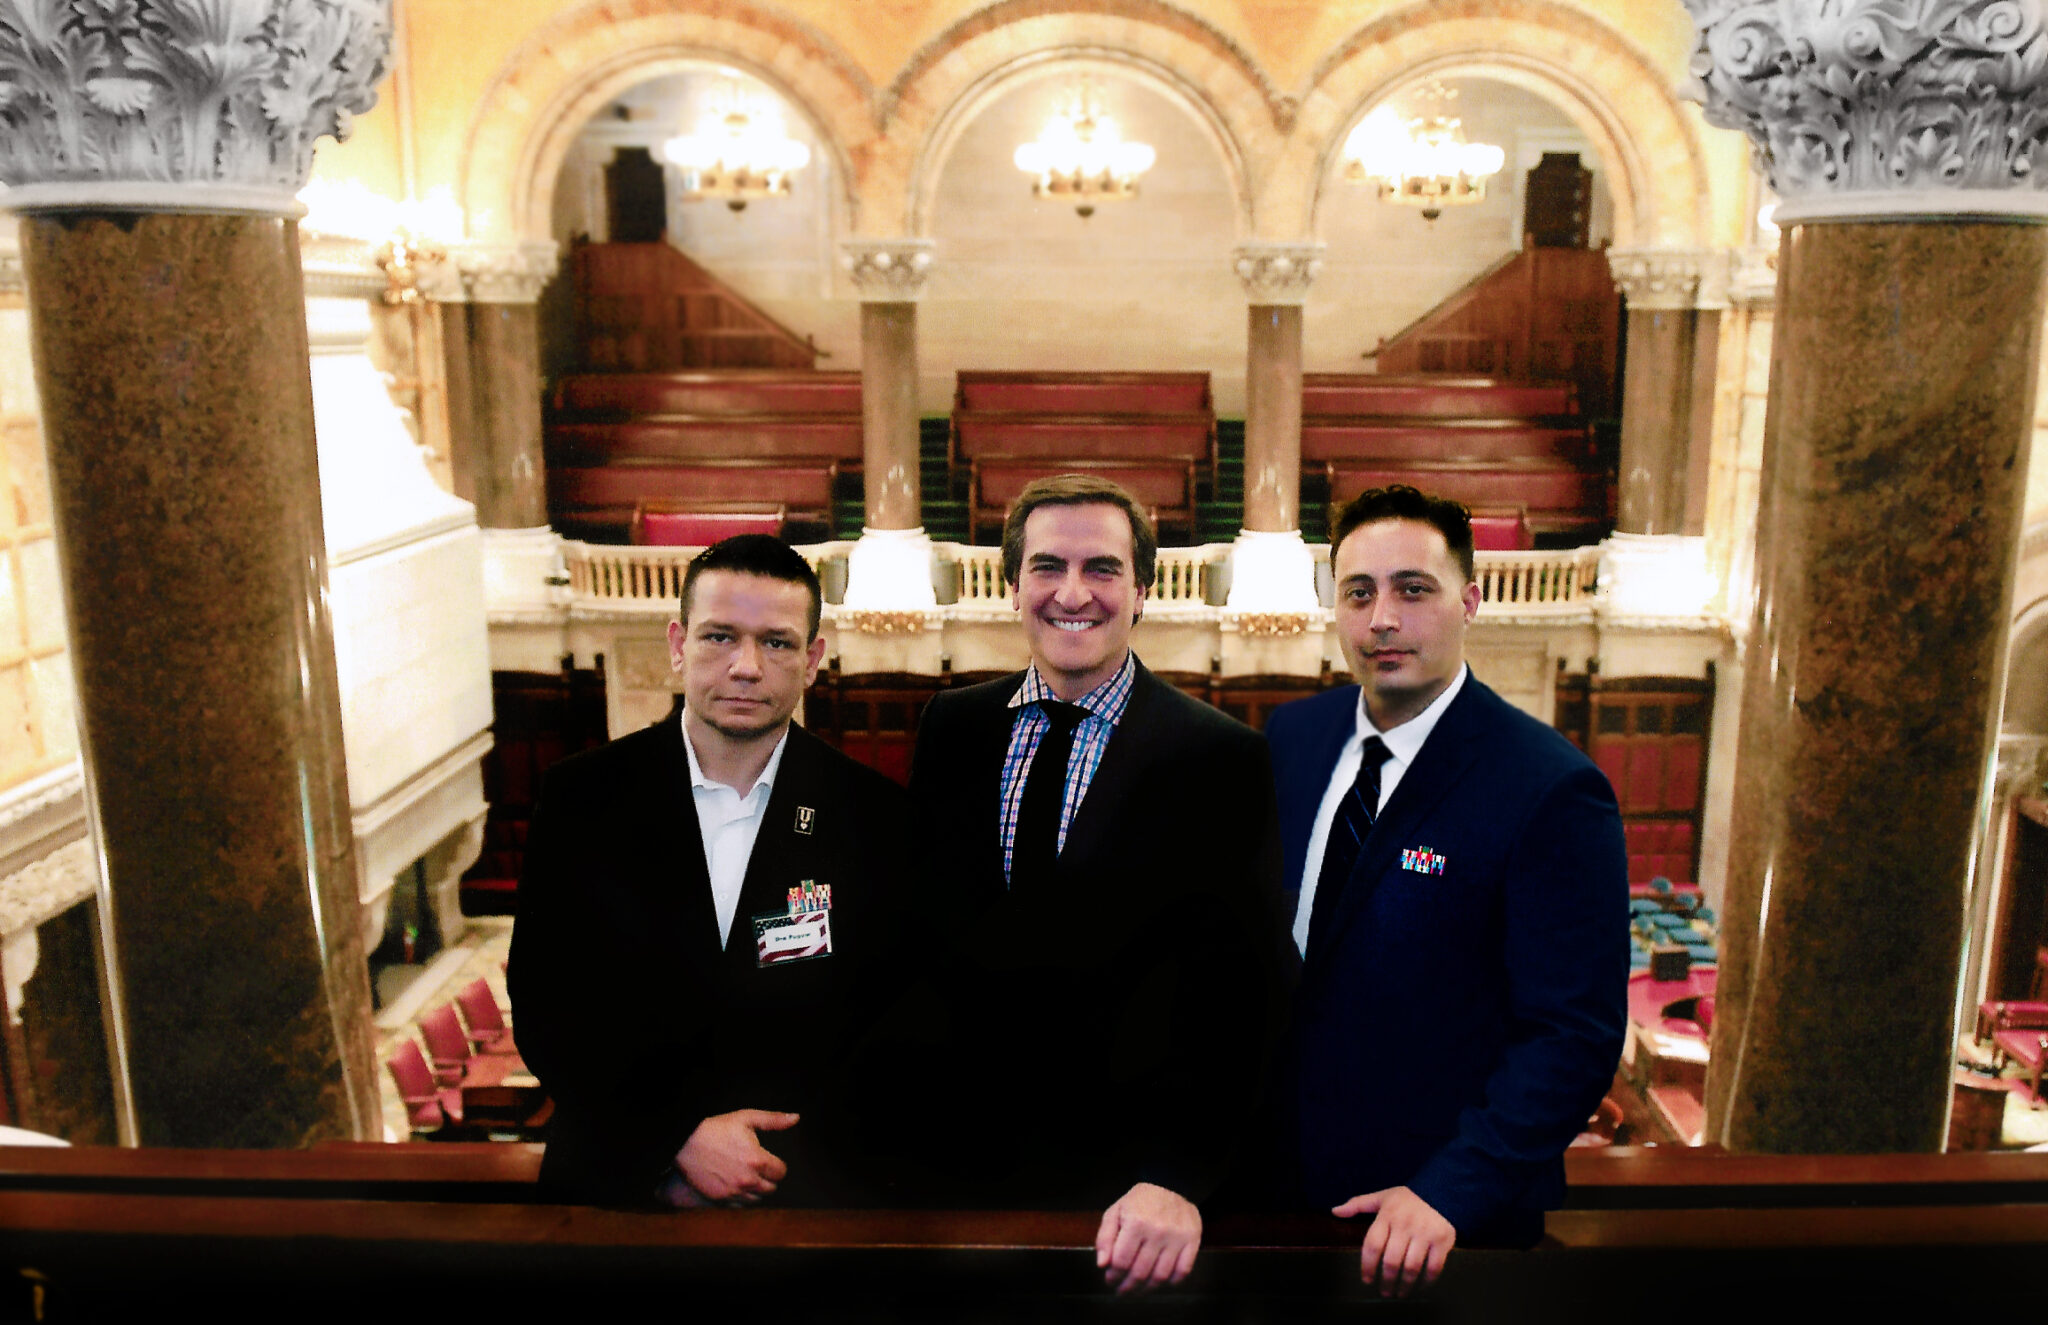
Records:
x=1407, y=1244
x=1148, y=1238
x=725, y=1161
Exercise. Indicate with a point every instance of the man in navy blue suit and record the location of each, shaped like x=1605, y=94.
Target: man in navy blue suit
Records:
x=1462, y=915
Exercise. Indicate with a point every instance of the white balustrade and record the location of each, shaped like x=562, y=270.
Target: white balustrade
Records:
x=610, y=574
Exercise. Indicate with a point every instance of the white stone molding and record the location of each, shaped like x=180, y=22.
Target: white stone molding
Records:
x=340, y=268
x=1753, y=279
x=1272, y=572
x=887, y=270
x=11, y=279
x=1277, y=273
x=525, y=582
x=888, y=571
x=1671, y=278
x=47, y=887
x=1864, y=108
x=1652, y=577
x=46, y=857
x=495, y=273
x=171, y=105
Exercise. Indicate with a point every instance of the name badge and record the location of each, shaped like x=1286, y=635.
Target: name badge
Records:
x=792, y=938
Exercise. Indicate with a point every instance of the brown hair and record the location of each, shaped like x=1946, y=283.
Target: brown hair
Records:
x=1398, y=501
x=1078, y=490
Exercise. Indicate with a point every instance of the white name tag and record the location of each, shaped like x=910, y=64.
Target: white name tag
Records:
x=792, y=938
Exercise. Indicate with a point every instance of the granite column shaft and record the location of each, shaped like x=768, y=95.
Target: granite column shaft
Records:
x=889, y=427
x=1272, y=429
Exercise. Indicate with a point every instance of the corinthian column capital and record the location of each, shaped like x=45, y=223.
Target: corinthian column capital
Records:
x=494, y=273
x=1667, y=278
x=1277, y=273
x=1883, y=107
x=887, y=270
x=179, y=105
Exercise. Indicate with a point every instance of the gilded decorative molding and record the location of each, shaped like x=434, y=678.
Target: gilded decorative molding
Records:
x=1883, y=107
x=886, y=623
x=1277, y=273
x=1269, y=625
x=179, y=105
x=1670, y=278
x=887, y=270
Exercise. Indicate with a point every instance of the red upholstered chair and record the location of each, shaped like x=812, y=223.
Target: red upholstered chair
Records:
x=454, y=1062
x=427, y=1106
x=2010, y=1014
x=1502, y=529
x=2027, y=1048
x=661, y=524
x=487, y=1029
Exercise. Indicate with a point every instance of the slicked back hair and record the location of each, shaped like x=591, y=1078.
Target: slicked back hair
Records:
x=1079, y=490
x=1398, y=501
x=756, y=554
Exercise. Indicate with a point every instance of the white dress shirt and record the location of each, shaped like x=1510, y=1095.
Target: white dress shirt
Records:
x=1403, y=744
x=729, y=823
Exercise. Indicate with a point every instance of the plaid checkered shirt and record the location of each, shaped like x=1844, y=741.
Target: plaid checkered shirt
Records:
x=1105, y=704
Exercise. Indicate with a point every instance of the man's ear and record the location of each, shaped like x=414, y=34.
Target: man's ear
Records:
x=1472, y=595
x=1138, y=613
x=675, y=646
x=814, y=657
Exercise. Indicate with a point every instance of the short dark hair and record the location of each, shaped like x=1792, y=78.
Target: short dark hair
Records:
x=1079, y=490
x=756, y=554
x=1398, y=501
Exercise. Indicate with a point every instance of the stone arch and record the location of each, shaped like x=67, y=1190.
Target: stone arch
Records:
x=583, y=58
x=945, y=84
x=1657, y=172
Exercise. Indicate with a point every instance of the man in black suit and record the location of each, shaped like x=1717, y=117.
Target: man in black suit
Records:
x=1461, y=905
x=705, y=914
x=1099, y=896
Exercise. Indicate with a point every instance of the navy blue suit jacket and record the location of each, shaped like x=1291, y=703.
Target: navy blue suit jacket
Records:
x=1453, y=1031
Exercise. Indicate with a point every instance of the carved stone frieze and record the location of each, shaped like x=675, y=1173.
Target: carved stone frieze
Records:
x=887, y=270
x=47, y=886
x=1277, y=273
x=1883, y=107
x=1666, y=278
x=179, y=104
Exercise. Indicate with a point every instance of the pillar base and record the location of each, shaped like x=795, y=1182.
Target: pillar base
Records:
x=1656, y=575
x=1272, y=572
x=518, y=567
x=890, y=570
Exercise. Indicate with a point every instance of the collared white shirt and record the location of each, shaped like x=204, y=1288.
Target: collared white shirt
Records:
x=1403, y=744
x=729, y=822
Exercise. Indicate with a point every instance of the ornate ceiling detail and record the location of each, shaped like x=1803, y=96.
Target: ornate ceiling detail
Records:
x=1883, y=107
x=1277, y=273
x=887, y=270
x=180, y=104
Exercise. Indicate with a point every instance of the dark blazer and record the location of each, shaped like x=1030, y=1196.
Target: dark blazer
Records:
x=1108, y=1027
x=1453, y=1032
x=626, y=1007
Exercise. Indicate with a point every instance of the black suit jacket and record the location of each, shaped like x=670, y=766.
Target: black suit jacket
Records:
x=1107, y=1027
x=628, y=1011
x=1454, y=1028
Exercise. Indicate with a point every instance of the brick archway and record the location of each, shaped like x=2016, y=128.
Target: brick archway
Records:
x=950, y=80
x=1657, y=173
x=581, y=59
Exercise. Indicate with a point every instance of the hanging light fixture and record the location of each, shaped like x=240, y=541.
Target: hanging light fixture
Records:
x=1081, y=156
x=738, y=153
x=1423, y=160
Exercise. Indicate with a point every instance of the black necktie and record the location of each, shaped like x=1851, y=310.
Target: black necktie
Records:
x=1037, y=845
x=1348, y=827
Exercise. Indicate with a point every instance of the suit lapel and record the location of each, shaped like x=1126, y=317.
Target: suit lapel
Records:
x=1121, y=762
x=1442, y=761
x=980, y=765
x=781, y=857
x=680, y=878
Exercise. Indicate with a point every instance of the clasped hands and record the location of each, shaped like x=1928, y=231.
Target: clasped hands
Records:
x=724, y=1162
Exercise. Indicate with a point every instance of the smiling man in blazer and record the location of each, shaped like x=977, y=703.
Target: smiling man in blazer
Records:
x=1099, y=891
x=1461, y=907
x=705, y=915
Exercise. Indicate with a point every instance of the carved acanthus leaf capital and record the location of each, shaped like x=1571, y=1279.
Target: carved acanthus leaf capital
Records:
x=1883, y=107
x=1277, y=273
x=1665, y=278
x=172, y=105
x=887, y=270
x=496, y=273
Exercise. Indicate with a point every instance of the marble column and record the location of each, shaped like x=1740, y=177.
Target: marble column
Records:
x=1667, y=397
x=1272, y=569
x=890, y=568
x=486, y=295
x=171, y=355
x=1907, y=339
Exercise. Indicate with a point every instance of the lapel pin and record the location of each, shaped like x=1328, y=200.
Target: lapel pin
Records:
x=1421, y=860
x=804, y=816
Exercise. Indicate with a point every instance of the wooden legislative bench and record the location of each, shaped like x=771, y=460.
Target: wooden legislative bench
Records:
x=1325, y=439
x=349, y=1231
x=1062, y=416
x=598, y=501
x=1434, y=396
x=707, y=437
x=1559, y=498
x=732, y=392
x=1165, y=488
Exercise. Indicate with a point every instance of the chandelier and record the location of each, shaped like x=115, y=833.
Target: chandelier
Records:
x=1423, y=161
x=738, y=153
x=1081, y=156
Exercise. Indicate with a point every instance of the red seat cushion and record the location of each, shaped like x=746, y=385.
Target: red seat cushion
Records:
x=702, y=528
